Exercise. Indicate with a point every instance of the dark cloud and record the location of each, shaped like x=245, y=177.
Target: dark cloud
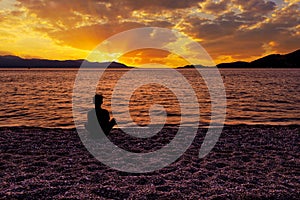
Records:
x=163, y=24
x=221, y=26
x=233, y=47
x=63, y=12
x=228, y=22
x=283, y=22
x=158, y=4
x=216, y=7
x=256, y=6
x=113, y=9
x=280, y=29
x=255, y=10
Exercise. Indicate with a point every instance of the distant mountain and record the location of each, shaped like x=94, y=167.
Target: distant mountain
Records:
x=191, y=67
x=290, y=60
x=17, y=62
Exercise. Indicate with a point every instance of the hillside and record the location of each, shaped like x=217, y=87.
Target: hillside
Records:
x=290, y=60
x=17, y=62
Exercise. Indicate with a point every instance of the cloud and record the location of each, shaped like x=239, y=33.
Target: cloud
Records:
x=88, y=37
x=246, y=33
x=216, y=7
x=226, y=21
x=159, y=4
x=113, y=10
x=146, y=56
x=234, y=29
x=259, y=6
x=221, y=26
x=281, y=30
x=62, y=14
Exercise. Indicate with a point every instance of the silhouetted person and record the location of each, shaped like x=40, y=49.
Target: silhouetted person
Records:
x=98, y=116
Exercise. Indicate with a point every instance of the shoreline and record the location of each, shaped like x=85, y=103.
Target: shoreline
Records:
x=167, y=126
x=248, y=161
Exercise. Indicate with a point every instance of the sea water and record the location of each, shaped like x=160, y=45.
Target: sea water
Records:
x=43, y=97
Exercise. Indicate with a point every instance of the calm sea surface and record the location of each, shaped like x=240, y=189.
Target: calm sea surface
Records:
x=43, y=98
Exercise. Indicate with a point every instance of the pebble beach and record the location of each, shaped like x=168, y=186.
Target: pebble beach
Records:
x=248, y=162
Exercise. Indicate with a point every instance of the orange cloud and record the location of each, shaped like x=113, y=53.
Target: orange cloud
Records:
x=146, y=56
x=88, y=37
x=229, y=30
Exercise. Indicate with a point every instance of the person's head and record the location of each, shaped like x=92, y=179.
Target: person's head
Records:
x=98, y=99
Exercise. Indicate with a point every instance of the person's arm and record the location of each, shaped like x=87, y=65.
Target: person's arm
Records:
x=113, y=122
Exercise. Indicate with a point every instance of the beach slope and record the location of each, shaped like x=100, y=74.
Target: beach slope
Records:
x=248, y=162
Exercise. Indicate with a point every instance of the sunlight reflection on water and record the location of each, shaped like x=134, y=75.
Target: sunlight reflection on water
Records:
x=43, y=98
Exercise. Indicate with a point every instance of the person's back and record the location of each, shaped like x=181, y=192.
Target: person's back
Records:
x=92, y=124
x=99, y=116
x=104, y=120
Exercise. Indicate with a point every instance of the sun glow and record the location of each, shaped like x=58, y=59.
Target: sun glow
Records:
x=64, y=30
x=145, y=56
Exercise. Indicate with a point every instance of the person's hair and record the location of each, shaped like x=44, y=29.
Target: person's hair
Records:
x=98, y=99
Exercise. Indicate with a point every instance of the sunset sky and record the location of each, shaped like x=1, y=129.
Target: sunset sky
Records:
x=70, y=29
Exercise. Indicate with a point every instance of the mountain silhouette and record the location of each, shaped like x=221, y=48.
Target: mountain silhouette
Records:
x=290, y=60
x=17, y=62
